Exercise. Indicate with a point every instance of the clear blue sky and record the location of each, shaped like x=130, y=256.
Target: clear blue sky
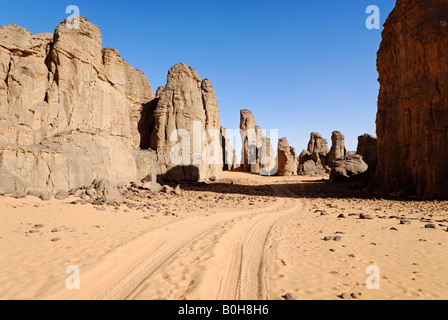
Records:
x=298, y=65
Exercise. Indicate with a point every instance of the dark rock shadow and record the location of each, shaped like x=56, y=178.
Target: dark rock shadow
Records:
x=308, y=189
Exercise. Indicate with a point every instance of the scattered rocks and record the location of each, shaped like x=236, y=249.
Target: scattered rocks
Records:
x=290, y=296
x=430, y=226
x=56, y=239
x=365, y=216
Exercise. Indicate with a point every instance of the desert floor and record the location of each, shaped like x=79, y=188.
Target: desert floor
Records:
x=244, y=237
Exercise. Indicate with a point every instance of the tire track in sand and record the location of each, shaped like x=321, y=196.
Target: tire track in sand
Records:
x=121, y=271
x=248, y=263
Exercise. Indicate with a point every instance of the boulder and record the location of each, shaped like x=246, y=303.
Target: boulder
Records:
x=347, y=167
x=107, y=190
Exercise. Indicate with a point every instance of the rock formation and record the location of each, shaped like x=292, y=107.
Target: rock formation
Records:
x=69, y=111
x=287, y=159
x=257, y=154
x=412, y=118
x=317, y=145
x=186, y=131
x=314, y=161
x=337, y=147
x=346, y=167
x=367, y=148
x=249, y=157
x=230, y=160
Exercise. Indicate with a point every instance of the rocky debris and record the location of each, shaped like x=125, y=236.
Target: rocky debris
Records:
x=61, y=195
x=287, y=159
x=187, y=108
x=107, y=191
x=412, y=116
x=367, y=148
x=178, y=191
x=365, y=216
x=68, y=110
x=45, y=196
x=290, y=296
x=347, y=296
x=347, y=167
x=56, y=239
x=153, y=187
x=337, y=147
x=314, y=160
x=430, y=226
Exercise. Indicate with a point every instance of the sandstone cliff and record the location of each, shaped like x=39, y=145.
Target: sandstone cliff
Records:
x=69, y=110
x=412, y=118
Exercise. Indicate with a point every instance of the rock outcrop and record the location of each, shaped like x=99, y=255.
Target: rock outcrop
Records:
x=346, y=167
x=412, y=118
x=337, y=147
x=287, y=159
x=186, y=131
x=230, y=161
x=249, y=157
x=69, y=110
x=314, y=160
x=367, y=148
x=317, y=145
x=257, y=154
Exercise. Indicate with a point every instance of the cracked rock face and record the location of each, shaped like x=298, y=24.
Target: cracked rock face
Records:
x=367, y=148
x=69, y=109
x=412, y=118
x=186, y=131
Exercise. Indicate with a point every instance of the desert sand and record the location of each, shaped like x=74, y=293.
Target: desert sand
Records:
x=243, y=237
